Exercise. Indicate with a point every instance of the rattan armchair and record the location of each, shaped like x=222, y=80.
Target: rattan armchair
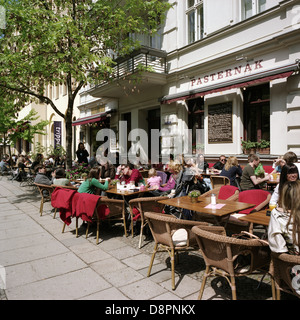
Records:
x=45, y=192
x=171, y=235
x=116, y=212
x=218, y=181
x=282, y=264
x=145, y=204
x=222, y=254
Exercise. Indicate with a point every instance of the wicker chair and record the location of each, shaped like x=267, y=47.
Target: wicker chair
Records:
x=280, y=269
x=218, y=181
x=45, y=192
x=116, y=212
x=144, y=204
x=222, y=253
x=171, y=235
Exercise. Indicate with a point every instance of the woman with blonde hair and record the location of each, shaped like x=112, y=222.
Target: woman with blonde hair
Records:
x=284, y=226
x=174, y=168
x=232, y=170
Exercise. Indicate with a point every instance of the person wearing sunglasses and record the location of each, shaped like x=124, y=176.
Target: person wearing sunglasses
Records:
x=219, y=165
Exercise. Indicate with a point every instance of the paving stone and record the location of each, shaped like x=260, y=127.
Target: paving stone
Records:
x=144, y=289
x=72, y=285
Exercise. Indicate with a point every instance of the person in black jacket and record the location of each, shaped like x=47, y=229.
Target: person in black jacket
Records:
x=82, y=154
x=219, y=165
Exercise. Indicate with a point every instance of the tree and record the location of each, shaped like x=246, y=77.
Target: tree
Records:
x=11, y=129
x=67, y=42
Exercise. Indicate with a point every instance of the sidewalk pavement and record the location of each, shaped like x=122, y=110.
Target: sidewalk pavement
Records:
x=39, y=262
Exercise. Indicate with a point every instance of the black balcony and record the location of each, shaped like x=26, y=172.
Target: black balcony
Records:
x=148, y=64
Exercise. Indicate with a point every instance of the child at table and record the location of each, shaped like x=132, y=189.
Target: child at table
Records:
x=154, y=181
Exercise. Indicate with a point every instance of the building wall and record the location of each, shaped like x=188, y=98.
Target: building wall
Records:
x=272, y=36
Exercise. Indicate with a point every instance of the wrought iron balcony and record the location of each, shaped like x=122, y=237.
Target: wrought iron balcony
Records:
x=149, y=63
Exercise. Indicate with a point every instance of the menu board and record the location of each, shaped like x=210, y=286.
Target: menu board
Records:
x=220, y=123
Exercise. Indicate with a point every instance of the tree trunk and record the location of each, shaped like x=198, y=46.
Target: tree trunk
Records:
x=69, y=133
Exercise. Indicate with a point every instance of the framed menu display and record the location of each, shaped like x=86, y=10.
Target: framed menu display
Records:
x=220, y=123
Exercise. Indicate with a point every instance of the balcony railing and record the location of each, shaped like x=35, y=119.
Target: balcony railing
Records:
x=145, y=58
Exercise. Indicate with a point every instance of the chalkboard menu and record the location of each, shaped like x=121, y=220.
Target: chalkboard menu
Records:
x=220, y=123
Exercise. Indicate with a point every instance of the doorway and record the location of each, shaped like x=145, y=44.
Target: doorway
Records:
x=154, y=122
x=257, y=113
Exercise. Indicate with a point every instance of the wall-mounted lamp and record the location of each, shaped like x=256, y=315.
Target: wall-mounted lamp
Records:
x=240, y=58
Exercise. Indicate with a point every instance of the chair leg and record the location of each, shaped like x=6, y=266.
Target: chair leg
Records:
x=131, y=222
x=141, y=235
x=63, y=229
x=54, y=216
x=173, y=268
x=98, y=224
x=76, y=227
x=87, y=229
x=125, y=230
x=233, y=287
x=278, y=294
x=203, y=282
x=41, y=207
x=152, y=259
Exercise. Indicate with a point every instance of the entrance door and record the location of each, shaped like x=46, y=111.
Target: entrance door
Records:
x=153, y=123
x=257, y=113
x=196, y=123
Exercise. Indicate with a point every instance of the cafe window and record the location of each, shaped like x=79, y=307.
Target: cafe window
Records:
x=252, y=7
x=257, y=113
x=196, y=122
x=195, y=25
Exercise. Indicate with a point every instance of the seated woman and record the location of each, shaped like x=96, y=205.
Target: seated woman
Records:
x=59, y=177
x=91, y=184
x=231, y=170
x=201, y=163
x=289, y=172
x=284, y=226
x=175, y=169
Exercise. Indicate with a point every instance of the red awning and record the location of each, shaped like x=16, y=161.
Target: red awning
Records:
x=91, y=119
x=237, y=83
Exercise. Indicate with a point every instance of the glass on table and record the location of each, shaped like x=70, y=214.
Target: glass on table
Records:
x=272, y=205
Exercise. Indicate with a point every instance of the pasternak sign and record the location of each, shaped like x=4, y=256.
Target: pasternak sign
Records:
x=227, y=74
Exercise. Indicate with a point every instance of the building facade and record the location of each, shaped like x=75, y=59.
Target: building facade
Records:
x=218, y=72
x=228, y=70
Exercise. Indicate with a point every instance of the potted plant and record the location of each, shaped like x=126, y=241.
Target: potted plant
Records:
x=248, y=146
x=263, y=147
x=114, y=182
x=194, y=195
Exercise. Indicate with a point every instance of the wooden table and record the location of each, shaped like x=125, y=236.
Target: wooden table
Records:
x=201, y=206
x=259, y=217
x=271, y=184
x=115, y=191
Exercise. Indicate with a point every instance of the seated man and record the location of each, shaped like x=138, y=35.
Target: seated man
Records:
x=127, y=173
x=219, y=165
x=41, y=177
x=4, y=166
x=249, y=180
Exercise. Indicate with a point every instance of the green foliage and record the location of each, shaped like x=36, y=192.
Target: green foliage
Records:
x=38, y=148
x=263, y=144
x=67, y=42
x=194, y=194
x=248, y=144
x=59, y=151
x=78, y=171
